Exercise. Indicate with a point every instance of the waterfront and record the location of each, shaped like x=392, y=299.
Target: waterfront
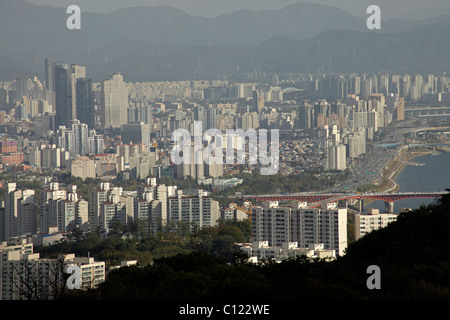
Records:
x=433, y=176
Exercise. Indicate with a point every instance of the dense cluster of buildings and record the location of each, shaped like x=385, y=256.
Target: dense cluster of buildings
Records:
x=66, y=121
x=60, y=210
x=114, y=129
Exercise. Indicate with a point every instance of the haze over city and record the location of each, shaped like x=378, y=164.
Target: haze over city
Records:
x=206, y=149
x=405, y=9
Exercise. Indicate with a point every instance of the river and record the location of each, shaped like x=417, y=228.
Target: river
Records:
x=434, y=176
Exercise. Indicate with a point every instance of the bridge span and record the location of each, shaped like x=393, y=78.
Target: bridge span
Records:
x=316, y=199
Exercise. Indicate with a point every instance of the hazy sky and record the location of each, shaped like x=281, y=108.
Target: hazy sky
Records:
x=408, y=9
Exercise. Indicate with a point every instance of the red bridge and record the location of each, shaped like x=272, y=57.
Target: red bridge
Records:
x=315, y=199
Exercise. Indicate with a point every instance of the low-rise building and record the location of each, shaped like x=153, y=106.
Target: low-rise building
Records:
x=260, y=250
x=372, y=220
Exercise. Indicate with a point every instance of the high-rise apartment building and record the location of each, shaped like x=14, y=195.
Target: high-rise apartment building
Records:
x=20, y=212
x=62, y=209
x=199, y=209
x=114, y=102
x=297, y=223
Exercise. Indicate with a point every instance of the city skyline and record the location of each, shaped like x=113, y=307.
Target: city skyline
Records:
x=137, y=135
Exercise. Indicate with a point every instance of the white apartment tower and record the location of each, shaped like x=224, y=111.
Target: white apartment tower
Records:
x=114, y=102
x=20, y=212
x=199, y=209
x=303, y=225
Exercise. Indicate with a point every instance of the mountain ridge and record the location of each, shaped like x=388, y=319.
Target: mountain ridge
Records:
x=103, y=44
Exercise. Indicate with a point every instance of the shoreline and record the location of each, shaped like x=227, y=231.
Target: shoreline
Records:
x=395, y=167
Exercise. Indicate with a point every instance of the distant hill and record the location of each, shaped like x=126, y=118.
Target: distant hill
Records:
x=150, y=43
x=424, y=49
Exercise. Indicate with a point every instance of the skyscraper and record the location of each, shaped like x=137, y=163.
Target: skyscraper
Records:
x=85, y=102
x=114, y=104
x=76, y=72
x=65, y=77
x=49, y=74
x=63, y=94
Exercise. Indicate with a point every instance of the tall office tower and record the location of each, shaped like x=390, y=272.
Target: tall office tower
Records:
x=85, y=102
x=400, y=115
x=63, y=94
x=48, y=71
x=114, y=102
x=77, y=72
